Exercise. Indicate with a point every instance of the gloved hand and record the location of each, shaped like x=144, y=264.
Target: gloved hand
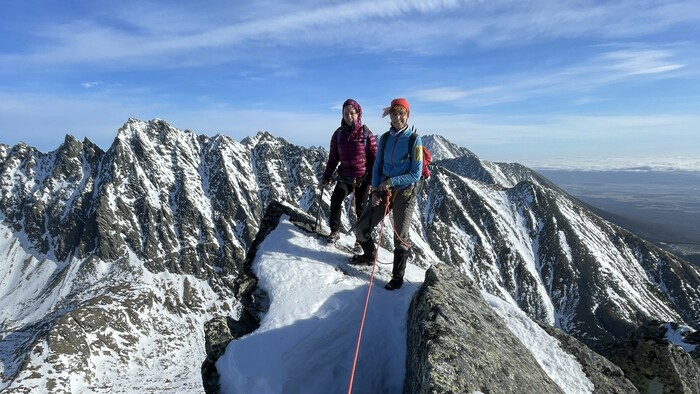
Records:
x=384, y=186
x=324, y=183
x=376, y=200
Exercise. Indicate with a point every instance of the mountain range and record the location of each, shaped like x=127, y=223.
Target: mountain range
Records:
x=113, y=261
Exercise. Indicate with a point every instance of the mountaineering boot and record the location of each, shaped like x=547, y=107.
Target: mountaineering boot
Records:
x=357, y=247
x=400, y=259
x=361, y=259
x=367, y=257
x=332, y=237
x=394, y=284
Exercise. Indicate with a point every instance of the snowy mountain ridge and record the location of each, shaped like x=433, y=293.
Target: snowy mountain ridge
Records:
x=107, y=253
x=309, y=332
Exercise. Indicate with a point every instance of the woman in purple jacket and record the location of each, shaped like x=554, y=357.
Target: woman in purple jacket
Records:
x=354, y=147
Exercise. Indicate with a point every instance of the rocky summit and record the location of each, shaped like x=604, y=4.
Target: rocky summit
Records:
x=113, y=261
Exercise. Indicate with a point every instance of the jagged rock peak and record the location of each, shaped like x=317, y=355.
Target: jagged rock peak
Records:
x=440, y=148
x=20, y=149
x=91, y=149
x=262, y=137
x=69, y=140
x=156, y=130
x=216, y=140
x=70, y=147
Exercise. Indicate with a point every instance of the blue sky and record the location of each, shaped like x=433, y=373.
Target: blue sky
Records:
x=542, y=83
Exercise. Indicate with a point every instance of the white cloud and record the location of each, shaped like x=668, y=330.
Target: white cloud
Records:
x=583, y=77
x=650, y=162
x=455, y=57
x=86, y=41
x=636, y=62
x=504, y=129
x=229, y=32
x=91, y=85
x=440, y=94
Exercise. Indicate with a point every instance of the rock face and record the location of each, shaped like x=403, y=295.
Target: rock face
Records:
x=657, y=366
x=457, y=344
x=606, y=377
x=694, y=339
x=654, y=364
x=217, y=334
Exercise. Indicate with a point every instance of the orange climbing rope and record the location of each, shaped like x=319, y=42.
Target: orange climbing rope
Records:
x=369, y=291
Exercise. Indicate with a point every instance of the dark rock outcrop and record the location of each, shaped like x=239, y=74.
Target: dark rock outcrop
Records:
x=457, y=344
x=694, y=339
x=654, y=364
x=218, y=332
x=607, y=377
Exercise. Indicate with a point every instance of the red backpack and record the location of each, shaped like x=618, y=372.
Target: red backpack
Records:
x=427, y=158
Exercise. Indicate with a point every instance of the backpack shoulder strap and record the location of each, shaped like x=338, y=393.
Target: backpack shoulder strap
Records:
x=337, y=135
x=365, y=139
x=382, y=142
x=411, y=142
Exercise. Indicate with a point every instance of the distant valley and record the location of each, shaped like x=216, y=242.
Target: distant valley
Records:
x=660, y=206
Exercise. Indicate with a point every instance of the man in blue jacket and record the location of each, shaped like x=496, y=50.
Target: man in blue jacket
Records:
x=396, y=172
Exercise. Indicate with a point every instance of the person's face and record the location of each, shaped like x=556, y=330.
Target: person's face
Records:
x=399, y=118
x=350, y=115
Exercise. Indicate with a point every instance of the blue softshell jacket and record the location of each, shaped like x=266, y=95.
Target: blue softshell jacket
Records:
x=394, y=163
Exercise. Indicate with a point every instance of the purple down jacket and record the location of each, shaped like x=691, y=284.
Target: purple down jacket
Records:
x=353, y=151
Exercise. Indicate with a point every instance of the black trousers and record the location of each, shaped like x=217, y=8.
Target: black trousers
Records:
x=342, y=189
x=402, y=205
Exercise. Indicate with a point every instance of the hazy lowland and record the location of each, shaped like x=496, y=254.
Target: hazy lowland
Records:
x=661, y=206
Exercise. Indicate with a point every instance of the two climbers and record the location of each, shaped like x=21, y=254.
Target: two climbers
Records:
x=392, y=171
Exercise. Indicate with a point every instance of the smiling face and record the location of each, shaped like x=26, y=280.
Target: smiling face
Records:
x=399, y=117
x=350, y=115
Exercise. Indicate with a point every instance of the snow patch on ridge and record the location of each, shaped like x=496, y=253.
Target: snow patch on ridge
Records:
x=560, y=366
x=306, y=340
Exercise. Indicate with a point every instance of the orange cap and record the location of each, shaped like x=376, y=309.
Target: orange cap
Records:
x=397, y=101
